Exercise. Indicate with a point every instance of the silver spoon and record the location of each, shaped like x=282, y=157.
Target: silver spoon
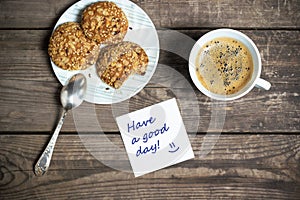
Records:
x=71, y=96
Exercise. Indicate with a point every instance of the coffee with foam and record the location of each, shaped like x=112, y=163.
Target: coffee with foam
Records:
x=224, y=65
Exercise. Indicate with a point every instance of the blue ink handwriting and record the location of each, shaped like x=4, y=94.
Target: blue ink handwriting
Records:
x=133, y=125
x=152, y=149
x=172, y=145
x=135, y=140
x=155, y=133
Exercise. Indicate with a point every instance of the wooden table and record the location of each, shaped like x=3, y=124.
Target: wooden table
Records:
x=256, y=157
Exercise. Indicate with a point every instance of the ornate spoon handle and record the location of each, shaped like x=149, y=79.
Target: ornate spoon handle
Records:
x=43, y=163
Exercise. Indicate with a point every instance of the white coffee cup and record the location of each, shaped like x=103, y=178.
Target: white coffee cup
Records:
x=255, y=80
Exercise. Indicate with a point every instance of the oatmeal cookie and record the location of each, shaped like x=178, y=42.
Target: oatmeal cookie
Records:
x=70, y=49
x=117, y=62
x=104, y=22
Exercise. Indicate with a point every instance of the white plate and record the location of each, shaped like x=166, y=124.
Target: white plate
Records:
x=141, y=31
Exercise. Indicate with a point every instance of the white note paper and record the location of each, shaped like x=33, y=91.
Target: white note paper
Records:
x=155, y=137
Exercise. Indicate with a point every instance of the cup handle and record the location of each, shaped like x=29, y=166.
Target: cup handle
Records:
x=263, y=84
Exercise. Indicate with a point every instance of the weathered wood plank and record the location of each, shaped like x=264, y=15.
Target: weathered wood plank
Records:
x=32, y=13
x=29, y=92
x=167, y=13
x=239, y=167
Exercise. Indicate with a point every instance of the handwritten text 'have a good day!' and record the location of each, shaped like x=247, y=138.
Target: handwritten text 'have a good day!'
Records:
x=133, y=126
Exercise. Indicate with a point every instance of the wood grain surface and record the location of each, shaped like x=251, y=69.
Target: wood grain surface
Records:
x=168, y=13
x=239, y=167
x=28, y=84
x=256, y=157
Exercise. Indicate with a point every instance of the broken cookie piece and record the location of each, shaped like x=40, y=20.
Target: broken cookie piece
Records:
x=118, y=61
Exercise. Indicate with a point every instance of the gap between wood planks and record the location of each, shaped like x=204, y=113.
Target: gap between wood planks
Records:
x=180, y=28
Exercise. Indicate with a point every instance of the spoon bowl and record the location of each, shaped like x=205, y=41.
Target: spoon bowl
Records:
x=71, y=96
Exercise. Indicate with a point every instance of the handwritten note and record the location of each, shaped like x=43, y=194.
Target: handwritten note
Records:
x=155, y=137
